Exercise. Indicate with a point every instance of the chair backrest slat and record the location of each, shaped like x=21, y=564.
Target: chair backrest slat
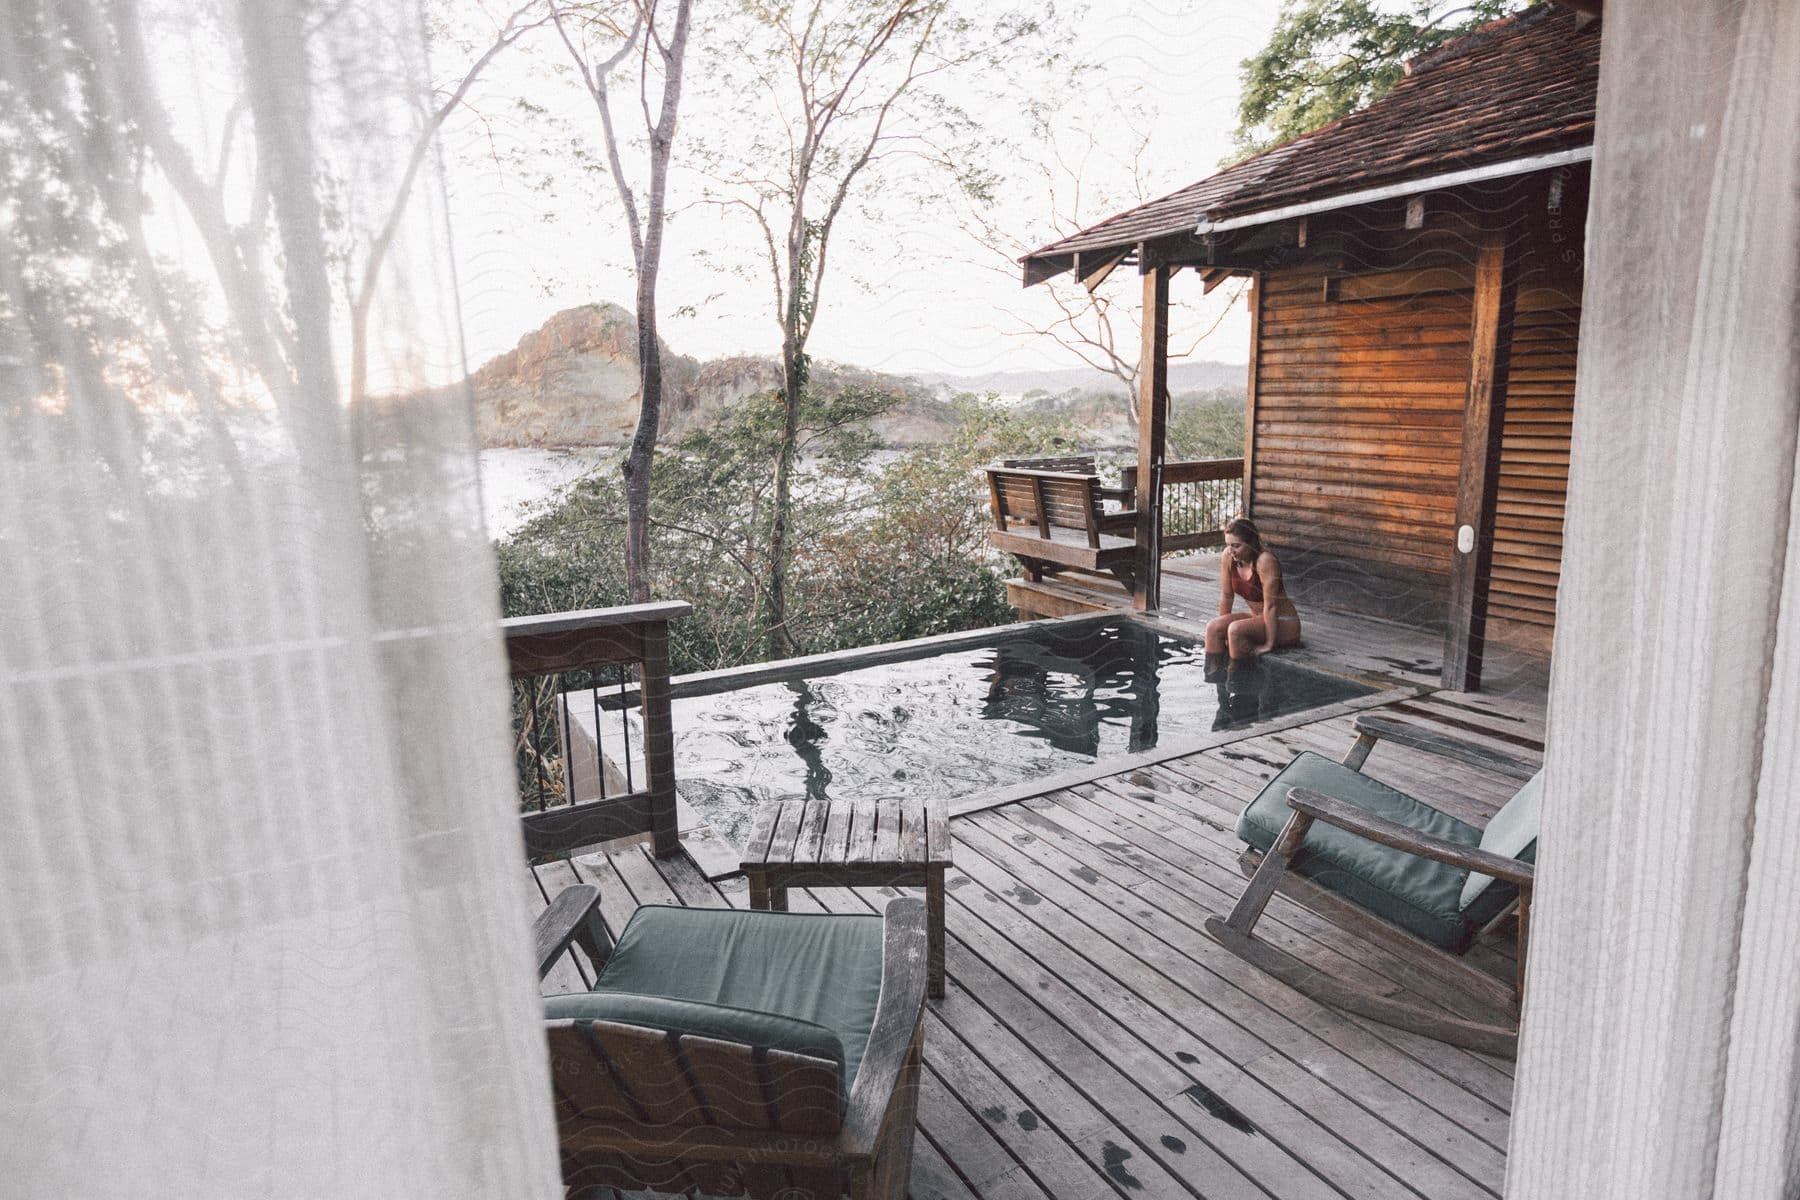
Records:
x=1079, y=464
x=1048, y=501
x=804, y=1093
x=582, y=1073
x=729, y=1083
x=644, y=1063
x=610, y=1071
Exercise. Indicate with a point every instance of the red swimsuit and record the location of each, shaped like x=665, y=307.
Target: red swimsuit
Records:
x=1250, y=589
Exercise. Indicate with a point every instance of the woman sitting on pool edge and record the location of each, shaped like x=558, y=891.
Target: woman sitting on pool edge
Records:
x=1249, y=569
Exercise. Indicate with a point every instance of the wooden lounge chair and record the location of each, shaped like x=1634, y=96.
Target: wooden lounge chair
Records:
x=1399, y=858
x=732, y=1052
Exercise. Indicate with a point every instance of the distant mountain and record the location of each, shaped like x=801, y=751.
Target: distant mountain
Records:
x=574, y=382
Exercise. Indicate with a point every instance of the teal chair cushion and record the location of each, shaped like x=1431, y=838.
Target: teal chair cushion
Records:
x=812, y=968
x=1512, y=833
x=1413, y=892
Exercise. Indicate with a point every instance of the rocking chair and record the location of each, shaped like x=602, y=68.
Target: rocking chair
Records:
x=1396, y=857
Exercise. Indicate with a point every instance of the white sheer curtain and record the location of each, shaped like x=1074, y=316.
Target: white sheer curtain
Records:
x=1661, y=1049
x=262, y=924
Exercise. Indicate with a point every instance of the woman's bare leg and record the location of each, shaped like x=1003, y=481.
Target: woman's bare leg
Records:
x=1245, y=638
x=1217, y=630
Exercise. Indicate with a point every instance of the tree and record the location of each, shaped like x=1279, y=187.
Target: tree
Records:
x=847, y=86
x=435, y=110
x=1328, y=58
x=1077, y=168
x=661, y=45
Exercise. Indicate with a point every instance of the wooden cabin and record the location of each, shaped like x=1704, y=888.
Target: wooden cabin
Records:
x=1416, y=275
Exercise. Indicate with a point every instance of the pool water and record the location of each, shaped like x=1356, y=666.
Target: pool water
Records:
x=1037, y=701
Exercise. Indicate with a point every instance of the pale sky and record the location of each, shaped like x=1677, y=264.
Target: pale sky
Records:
x=907, y=292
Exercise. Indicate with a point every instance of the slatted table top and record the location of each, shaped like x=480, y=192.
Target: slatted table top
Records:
x=900, y=833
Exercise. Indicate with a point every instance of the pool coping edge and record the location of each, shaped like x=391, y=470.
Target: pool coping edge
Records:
x=1181, y=748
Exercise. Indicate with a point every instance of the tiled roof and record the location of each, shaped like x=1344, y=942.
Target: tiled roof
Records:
x=1514, y=88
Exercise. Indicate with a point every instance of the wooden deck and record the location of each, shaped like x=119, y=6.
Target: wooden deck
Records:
x=1334, y=639
x=1095, y=1043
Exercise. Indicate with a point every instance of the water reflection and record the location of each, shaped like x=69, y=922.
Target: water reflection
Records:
x=1064, y=690
x=1248, y=692
x=807, y=737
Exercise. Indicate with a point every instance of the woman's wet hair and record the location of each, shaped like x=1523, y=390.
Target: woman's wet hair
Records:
x=1245, y=532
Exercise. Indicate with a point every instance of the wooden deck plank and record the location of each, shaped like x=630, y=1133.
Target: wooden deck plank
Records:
x=1446, y=1096
x=1302, y=1026
x=1047, y=1100
x=1064, y=1026
x=1127, y=1009
x=1060, y=1047
x=1147, y=951
x=638, y=872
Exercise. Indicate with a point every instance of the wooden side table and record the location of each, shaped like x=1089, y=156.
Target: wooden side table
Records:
x=852, y=843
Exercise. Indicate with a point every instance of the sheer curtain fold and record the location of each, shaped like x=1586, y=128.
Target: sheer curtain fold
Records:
x=262, y=928
x=1659, y=1050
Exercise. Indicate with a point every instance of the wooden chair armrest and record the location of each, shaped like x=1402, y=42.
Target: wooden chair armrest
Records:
x=574, y=916
x=898, y=1011
x=1365, y=824
x=1420, y=738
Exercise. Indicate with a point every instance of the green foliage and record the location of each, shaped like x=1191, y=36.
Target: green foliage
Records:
x=1327, y=58
x=879, y=554
x=1207, y=424
x=919, y=562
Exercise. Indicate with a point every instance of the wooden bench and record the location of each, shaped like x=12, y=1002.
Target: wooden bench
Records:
x=853, y=843
x=1056, y=520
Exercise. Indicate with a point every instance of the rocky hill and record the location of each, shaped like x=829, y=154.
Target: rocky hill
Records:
x=574, y=382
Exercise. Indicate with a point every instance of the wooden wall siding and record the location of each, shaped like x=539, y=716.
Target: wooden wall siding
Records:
x=1360, y=384
x=1534, y=463
x=1359, y=432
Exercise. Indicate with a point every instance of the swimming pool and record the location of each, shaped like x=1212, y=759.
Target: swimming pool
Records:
x=1023, y=703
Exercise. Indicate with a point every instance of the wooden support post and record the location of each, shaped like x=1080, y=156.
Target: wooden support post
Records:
x=1250, y=391
x=1484, y=421
x=659, y=741
x=1153, y=423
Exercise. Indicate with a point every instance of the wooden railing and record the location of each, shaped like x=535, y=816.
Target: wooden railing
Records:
x=585, y=775
x=1198, y=498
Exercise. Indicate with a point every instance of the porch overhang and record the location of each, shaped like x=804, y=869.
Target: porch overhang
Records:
x=1400, y=191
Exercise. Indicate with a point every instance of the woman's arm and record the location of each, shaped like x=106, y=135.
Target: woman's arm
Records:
x=1226, y=596
x=1268, y=571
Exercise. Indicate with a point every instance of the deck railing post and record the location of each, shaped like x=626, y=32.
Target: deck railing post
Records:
x=659, y=740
